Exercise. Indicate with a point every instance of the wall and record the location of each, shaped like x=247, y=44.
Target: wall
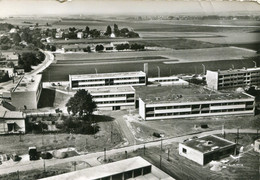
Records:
x=142, y=108
x=212, y=79
x=19, y=99
x=191, y=154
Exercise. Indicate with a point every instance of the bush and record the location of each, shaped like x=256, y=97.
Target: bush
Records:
x=46, y=155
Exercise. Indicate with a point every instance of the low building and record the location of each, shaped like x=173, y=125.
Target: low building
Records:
x=257, y=145
x=114, y=98
x=133, y=168
x=233, y=78
x=168, y=102
x=167, y=81
x=205, y=149
x=80, y=35
x=26, y=93
x=12, y=122
x=107, y=80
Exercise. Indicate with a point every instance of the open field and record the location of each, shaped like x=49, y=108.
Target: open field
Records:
x=61, y=72
x=87, y=143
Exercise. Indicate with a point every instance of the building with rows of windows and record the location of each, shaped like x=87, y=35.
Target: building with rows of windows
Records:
x=168, y=102
x=233, y=78
x=107, y=80
x=114, y=98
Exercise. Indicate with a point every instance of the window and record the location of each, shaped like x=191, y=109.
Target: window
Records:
x=184, y=150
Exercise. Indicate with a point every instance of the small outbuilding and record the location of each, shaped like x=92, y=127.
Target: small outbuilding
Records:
x=206, y=149
x=257, y=145
x=12, y=122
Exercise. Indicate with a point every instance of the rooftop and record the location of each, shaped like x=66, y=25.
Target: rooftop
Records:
x=28, y=83
x=11, y=115
x=111, y=90
x=107, y=75
x=182, y=94
x=106, y=170
x=209, y=143
x=244, y=70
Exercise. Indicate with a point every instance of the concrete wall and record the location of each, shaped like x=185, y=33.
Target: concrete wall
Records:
x=21, y=99
x=191, y=154
x=212, y=79
x=142, y=108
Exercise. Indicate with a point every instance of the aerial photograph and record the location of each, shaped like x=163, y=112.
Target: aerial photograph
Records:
x=129, y=90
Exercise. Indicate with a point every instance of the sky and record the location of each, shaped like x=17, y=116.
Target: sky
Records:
x=134, y=7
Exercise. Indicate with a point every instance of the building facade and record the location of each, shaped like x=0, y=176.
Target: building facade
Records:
x=168, y=102
x=113, y=98
x=26, y=93
x=205, y=149
x=168, y=81
x=107, y=80
x=12, y=122
x=233, y=78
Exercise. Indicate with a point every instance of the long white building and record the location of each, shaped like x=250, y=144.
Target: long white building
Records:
x=168, y=102
x=107, y=80
x=114, y=98
x=233, y=78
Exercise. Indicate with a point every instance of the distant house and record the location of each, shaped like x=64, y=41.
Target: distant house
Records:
x=59, y=35
x=13, y=30
x=10, y=57
x=80, y=35
x=12, y=122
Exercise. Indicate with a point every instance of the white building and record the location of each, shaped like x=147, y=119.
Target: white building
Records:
x=133, y=168
x=26, y=93
x=233, y=78
x=257, y=145
x=114, y=98
x=167, y=81
x=80, y=35
x=107, y=80
x=205, y=149
x=12, y=122
x=168, y=102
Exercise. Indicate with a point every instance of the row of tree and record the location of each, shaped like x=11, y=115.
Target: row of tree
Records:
x=134, y=46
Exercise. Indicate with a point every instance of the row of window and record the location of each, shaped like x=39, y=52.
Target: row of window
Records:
x=166, y=80
x=92, y=85
x=114, y=102
x=114, y=95
x=198, y=112
x=124, y=78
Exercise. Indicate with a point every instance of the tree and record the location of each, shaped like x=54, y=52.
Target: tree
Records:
x=99, y=48
x=81, y=103
x=53, y=48
x=87, y=29
x=16, y=38
x=10, y=64
x=109, y=31
x=116, y=30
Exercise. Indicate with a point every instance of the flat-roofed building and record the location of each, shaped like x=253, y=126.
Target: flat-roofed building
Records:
x=107, y=79
x=114, y=98
x=12, y=122
x=133, y=168
x=233, y=78
x=168, y=102
x=26, y=93
x=207, y=148
x=166, y=81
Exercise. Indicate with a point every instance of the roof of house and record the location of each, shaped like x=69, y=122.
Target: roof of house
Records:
x=104, y=170
x=182, y=94
x=107, y=75
x=208, y=143
x=28, y=83
x=110, y=90
x=11, y=115
x=244, y=70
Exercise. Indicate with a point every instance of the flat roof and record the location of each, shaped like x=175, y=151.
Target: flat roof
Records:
x=104, y=170
x=108, y=75
x=209, y=143
x=11, y=115
x=182, y=94
x=28, y=83
x=111, y=89
x=244, y=70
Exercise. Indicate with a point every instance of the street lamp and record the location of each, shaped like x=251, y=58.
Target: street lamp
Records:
x=255, y=64
x=204, y=69
x=159, y=71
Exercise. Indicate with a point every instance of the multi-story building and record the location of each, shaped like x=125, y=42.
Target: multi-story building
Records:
x=233, y=78
x=168, y=102
x=107, y=79
x=26, y=93
x=207, y=148
x=114, y=98
x=164, y=81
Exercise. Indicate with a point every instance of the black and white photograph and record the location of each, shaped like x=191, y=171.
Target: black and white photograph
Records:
x=129, y=90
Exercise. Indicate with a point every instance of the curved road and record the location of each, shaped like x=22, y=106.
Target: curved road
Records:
x=92, y=157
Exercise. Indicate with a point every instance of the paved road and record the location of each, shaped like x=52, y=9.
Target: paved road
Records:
x=92, y=157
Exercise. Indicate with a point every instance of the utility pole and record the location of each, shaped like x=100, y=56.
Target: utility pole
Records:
x=160, y=161
x=144, y=149
x=44, y=169
x=237, y=134
x=168, y=154
x=18, y=176
x=112, y=133
x=204, y=69
x=126, y=154
x=161, y=144
x=105, y=158
x=159, y=71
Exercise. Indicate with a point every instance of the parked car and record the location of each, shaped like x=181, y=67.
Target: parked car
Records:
x=33, y=154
